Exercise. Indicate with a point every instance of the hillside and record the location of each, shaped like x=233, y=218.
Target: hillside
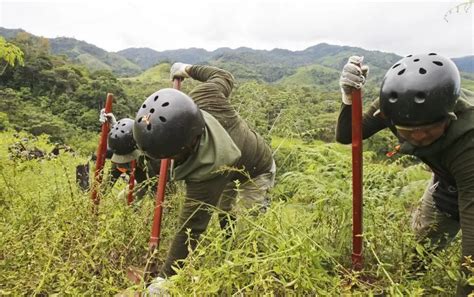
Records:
x=269, y=66
x=272, y=65
x=301, y=246
x=265, y=65
x=92, y=56
x=465, y=64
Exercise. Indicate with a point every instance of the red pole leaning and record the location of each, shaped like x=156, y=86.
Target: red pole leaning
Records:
x=101, y=152
x=357, y=242
x=160, y=194
x=131, y=182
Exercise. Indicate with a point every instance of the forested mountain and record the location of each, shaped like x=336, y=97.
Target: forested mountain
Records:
x=465, y=64
x=61, y=88
x=246, y=63
x=273, y=65
x=147, y=57
x=10, y=33
x=92, y=56
x=269, y=66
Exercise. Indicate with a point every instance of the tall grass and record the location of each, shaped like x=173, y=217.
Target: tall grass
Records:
x=51, y=242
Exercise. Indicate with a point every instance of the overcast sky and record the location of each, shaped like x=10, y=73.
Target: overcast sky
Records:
x=401, y=27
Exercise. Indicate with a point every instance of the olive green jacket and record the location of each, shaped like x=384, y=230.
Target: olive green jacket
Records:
x=212, y=96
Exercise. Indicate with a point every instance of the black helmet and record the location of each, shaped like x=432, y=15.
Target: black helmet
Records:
x=167, y=124
x=121, y=140
x=420, y=89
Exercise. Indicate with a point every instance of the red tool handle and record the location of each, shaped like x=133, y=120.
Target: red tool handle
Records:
x=160, y=193
x=160, y=199
x=101, y=152
x=357, y=242
x=131, y=182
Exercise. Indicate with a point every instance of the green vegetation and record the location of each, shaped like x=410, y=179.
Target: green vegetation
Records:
x=51, y=95
x=9, y=55
x=50, y=242
x=92, y=57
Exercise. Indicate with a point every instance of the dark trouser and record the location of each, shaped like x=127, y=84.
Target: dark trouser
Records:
x=428, y=222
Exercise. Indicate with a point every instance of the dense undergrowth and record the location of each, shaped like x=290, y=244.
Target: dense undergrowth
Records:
x=51, y=242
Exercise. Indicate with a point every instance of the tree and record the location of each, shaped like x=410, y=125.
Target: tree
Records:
x=9, y=55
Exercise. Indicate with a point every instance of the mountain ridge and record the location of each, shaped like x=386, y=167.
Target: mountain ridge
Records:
x=266, y=65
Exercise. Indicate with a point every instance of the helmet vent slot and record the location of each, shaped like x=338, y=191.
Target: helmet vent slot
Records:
x=152, y=110
x=401, y=72
x=123, y=124
x=165, y=104
x=116, y=128
x=163, y=119
x=396, y=65
x=156, y=98
x=420, y=97
x=416, y=60
x=148, y=127
x=144, y=106
x=438, y=63
x=122, y=131
x=409, y=56
x=422, y=71
x=140, y=119
x=116, y=136
x=393, y=97
x=432, y=54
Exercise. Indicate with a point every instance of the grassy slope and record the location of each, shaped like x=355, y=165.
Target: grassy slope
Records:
x=51, y=243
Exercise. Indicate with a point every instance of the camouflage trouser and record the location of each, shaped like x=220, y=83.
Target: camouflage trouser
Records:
x=250, y=194
x=428, y=222
x=440, y=228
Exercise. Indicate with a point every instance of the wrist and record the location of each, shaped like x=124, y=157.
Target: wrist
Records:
x=187, y=69
x=346, y=98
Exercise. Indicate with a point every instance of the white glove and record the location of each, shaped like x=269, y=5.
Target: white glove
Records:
x=353, y=76
x=158, y=288
x=178, y=70
x=122, y=196
x=109, y=117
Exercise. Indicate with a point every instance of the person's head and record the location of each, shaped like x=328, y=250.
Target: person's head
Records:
x=168, y=125
x=121, y=142
x=418, y=95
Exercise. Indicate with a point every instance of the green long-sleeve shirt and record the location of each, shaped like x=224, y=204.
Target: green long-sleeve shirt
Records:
x=451, y=157
x=212, y=96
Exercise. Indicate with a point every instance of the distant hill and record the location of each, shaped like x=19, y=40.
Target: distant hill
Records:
x=85, y=53
x=92, y=56
x=146, y=57
x=465, y=64
x=313, y=75
x=10, y=33
x=269, y=66
x=274, y=64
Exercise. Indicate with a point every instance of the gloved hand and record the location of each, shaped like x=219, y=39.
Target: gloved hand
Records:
x=122, y=196
x=178, y=70
x=158, y=288
x=109, y=117
x=353, y=76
